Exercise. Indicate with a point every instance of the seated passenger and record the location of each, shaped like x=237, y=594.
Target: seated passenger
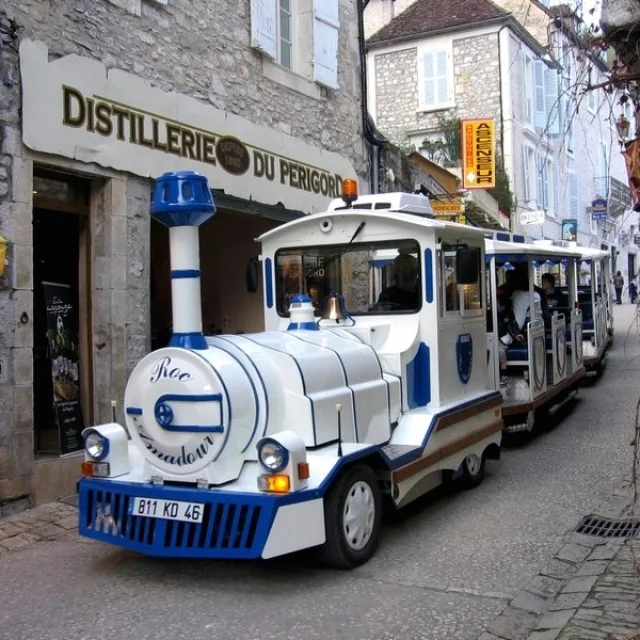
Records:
x=548, y=286
x=508, y=333
x=403, y=294
x=520, y=300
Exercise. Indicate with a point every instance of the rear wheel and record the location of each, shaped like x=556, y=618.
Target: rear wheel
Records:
x=353, y=518
x=473, y=470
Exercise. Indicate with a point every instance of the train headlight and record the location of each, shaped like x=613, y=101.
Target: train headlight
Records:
x=273, y=456
x=96, y=445
x=106, y=451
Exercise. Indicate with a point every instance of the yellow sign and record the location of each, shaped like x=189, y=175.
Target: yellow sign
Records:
x=478, y=154
x=453, y=206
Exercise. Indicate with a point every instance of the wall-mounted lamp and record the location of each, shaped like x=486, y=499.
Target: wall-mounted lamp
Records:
x=622, y=125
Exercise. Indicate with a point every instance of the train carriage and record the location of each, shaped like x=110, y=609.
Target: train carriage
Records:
x=595, y=302
x=370, y=383
x=544, y=365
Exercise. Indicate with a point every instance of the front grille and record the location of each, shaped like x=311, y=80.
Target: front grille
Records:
x=230, y=526
x=606, y=528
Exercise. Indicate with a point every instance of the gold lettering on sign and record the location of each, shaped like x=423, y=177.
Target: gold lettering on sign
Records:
x=109, y=118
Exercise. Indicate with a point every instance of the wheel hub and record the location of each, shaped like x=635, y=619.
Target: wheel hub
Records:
x=359, y=515
x=473, y=464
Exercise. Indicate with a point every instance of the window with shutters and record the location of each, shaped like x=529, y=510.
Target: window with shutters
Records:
x=527, y=74
x=299, y=42
x=436, y=79
x=555, y=190
x=529, y=173
x=542, y=181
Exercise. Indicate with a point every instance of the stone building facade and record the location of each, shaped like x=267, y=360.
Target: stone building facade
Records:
x=395, y=98
x=525, y=68
x=98, y=98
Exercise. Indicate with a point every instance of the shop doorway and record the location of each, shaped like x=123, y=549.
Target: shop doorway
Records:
x=62, y=388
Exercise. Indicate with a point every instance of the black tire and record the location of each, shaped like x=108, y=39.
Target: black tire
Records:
x=337, y=551
x=473, y=472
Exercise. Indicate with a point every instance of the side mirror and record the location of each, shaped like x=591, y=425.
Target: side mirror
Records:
x=252, y=275
x=467, y=266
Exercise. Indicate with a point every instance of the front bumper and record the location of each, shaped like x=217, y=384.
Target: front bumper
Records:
x=234, y=525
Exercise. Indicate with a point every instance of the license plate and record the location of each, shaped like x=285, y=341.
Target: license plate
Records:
x=167, y=509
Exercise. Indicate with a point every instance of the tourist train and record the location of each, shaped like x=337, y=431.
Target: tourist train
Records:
x=382, y=373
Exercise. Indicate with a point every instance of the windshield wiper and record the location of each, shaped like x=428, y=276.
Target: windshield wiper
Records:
x=344, y=249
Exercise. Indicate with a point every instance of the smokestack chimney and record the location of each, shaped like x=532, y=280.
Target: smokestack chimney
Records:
x=182, y=201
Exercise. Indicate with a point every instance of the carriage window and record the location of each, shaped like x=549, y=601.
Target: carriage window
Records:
x=374, y=278
x=459, y=299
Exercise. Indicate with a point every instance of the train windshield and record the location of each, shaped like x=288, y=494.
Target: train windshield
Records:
x=373, y=277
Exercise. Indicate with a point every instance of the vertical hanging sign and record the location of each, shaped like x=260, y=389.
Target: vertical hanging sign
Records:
x=478, y=154
x=62, y=338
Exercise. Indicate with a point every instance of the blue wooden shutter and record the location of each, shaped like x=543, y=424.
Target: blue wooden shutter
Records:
x=326, y=28
x=539, y=94
x=264, y=15
x=552, y=101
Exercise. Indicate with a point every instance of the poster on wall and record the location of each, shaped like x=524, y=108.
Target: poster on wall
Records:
x=570, y=230
x=62, y=337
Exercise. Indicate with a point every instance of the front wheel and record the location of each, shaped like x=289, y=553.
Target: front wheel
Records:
x=353, y=518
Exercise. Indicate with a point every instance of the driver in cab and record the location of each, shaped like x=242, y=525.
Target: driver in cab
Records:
x=403, y=294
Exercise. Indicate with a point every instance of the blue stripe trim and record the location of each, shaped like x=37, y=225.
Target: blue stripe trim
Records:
x=428, y=275
x=177, y=274
x=268, y=276
x=133, y=411
x=194, y=341
x=419, y=378
x=303, y=326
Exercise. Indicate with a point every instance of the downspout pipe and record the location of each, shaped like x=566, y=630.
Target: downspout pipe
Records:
x=371, y=135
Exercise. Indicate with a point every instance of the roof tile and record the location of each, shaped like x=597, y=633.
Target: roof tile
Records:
x=425, y=16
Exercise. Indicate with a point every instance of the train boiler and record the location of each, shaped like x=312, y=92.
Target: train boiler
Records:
x=369, y=385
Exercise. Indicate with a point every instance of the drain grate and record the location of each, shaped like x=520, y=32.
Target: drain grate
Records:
x=606, y=528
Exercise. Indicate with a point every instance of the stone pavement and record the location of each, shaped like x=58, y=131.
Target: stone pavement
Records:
x=589, y=590
x=43, y=523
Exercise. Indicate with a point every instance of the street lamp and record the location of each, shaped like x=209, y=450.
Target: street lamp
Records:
x=623, y=128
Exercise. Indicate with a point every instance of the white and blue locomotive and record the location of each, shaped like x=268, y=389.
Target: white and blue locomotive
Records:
x=371, y=383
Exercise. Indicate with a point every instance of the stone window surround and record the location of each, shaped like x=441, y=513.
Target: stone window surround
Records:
x=436, y=44
x=299, y=77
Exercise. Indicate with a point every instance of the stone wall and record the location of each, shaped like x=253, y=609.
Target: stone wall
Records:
x=476, y=87
x=199, y=48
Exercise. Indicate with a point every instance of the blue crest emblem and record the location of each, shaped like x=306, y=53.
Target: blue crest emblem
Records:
x=464, y=357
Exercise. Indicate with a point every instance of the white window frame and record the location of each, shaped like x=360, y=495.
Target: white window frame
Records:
x=292, y=34
x=449, y=102
x=591, y=101
x=542, y=180
x=528, y=168
x=528, y=115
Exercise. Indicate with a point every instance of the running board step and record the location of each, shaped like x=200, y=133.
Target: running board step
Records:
x=568, y=398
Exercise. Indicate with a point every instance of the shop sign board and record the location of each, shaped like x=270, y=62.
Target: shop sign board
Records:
x=531, y=217
x=62, y=337
x=570, y=230
x=478, y=154
x=77, y=108
x=599, y=209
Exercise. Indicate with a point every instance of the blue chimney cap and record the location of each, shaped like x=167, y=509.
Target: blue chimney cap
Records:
x=182, y=199
x=300, y=298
